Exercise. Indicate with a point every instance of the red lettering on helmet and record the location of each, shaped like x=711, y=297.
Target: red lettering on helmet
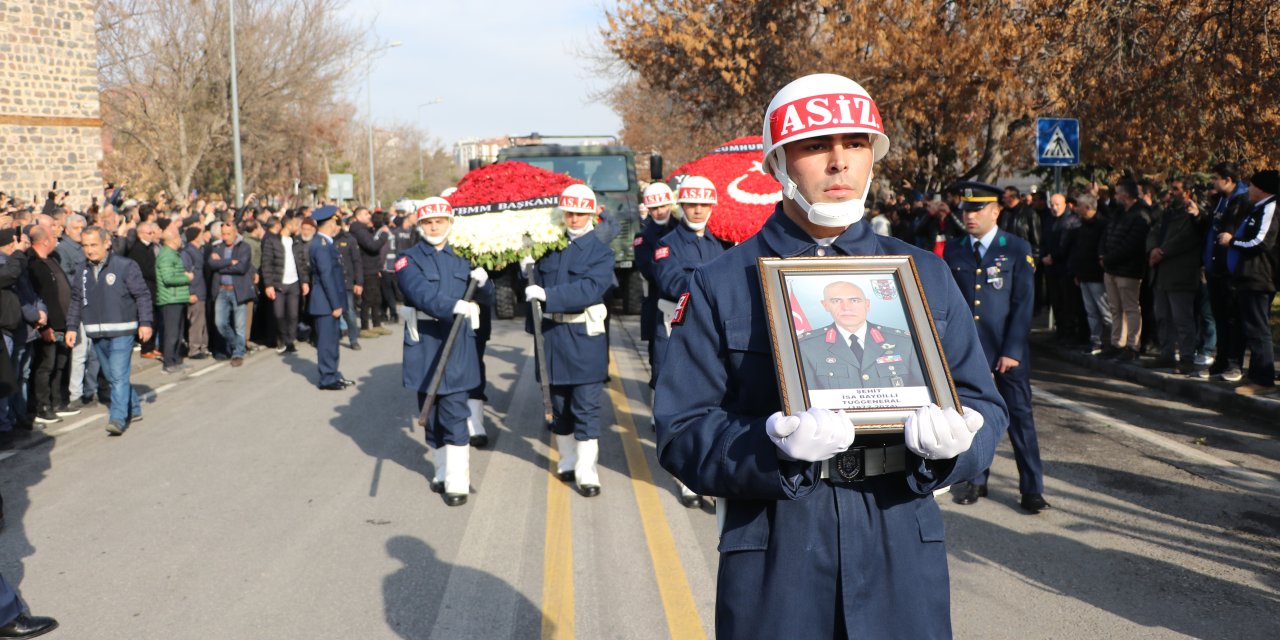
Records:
x=816, y=113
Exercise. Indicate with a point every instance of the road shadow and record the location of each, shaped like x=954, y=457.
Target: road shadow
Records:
x=1148, y=592
x=412, y=597
x=24, y=470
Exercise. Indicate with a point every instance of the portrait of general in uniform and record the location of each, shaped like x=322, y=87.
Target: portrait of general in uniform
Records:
x=852, y=353
x=854, y=334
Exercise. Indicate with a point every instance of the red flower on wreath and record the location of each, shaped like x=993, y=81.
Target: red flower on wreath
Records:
x=747, y=194
x=508, y=181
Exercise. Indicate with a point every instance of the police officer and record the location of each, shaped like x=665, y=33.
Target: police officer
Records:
x=660, y=202
x=328, y=297
x=995, y=271
x=433, y=280
x=678, y=253
x=812, y=549
x=851, y=353
x=571, y=284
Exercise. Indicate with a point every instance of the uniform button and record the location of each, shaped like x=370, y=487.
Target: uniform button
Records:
x=978, y=287
x=978, y=271
x=821, y=252
x=866, y=377
x=977, y=318
x=977, y=303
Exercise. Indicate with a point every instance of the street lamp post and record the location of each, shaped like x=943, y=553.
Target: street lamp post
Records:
x=373, y=181
x=235, y=109
x=421, y=175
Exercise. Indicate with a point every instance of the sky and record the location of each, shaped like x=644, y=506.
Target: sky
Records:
x=500, y=66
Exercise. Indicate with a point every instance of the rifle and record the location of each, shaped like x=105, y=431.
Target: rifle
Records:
x=438, y=376
x=539, y=350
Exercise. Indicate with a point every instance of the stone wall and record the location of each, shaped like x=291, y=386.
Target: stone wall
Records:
x=50, y=126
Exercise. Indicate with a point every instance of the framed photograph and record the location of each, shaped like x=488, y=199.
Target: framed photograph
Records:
x=854, y=334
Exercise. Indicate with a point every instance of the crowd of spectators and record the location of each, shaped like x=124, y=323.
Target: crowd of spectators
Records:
x=1178, y=276
x=222, y=280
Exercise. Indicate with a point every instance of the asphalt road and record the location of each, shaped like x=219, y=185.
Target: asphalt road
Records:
x=248, y=504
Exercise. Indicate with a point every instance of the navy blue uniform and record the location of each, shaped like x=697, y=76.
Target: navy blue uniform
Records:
x=328, y=292
x=650, y=317
x=677, y=255
x=1001, y=292
x=574, y=278
x=432, y=281
x=801, y=557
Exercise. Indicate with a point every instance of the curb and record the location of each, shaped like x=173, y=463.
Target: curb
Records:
x=1206, y=393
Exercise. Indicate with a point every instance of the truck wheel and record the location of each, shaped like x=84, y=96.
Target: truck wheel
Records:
x=632, y=292
x=505, y=291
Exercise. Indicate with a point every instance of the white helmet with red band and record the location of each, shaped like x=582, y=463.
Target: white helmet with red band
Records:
x=817, y=105
x=696, y=190
x=578, y=198
x=434, y=207
x=658, y=194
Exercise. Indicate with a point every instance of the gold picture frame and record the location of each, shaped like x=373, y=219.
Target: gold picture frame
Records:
x=819, y=307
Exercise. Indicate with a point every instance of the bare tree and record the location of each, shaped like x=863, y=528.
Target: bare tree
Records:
x=165, y=77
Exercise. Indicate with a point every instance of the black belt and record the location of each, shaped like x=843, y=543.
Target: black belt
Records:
x=859, y=463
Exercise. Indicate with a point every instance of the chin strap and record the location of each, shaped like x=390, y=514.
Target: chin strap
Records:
x=826, y=214
x=574, y=235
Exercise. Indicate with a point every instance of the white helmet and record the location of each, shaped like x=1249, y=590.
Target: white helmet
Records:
x=696, y=190
x=658, y=194
x=434, y=207
x=821, y=104
x=448, y=192
x=578, y=198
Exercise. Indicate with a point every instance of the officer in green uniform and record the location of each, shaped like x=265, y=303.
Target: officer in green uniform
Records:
x=851, y=353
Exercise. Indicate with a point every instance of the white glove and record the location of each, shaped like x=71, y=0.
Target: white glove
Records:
x=814, y=435
x=480, y=276
x=474, y=316
x=934, y=433
x=526, y=262
x=534, y=292
x=463, y=307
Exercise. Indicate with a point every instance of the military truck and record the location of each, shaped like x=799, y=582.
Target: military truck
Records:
x=609, y=168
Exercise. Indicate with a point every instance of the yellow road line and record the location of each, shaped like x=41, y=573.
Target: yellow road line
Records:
x=557, y=558
x=683, y=620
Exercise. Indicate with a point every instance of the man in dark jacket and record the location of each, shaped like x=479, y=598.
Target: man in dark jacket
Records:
x=111, y=301
x=1230, y=204
x=143, y=252
x=1173, y=249
x=369, y=246
x=1124, y=263
x=1082, y=256
x=286, y=275
x=1252, y=262
x=353, y=274
x=21, y=335
x=1060, y=286
x=193, y=260
x=51, y=351
x=1020, y=219
x=231, y=266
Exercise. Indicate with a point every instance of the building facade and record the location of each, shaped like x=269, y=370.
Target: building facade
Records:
x=50, y=123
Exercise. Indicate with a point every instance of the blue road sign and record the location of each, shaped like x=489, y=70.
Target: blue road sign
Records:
x=1057, y=142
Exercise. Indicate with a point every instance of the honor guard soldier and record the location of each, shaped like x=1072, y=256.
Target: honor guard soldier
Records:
x=995, y=270
x=820, y=537
x=433, y=280
x=660, y=202
x=571, y=284
x=686, y=248
x=328, y=297
x=851, y=353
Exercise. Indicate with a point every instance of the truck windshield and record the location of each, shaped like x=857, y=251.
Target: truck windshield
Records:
x=601, y=173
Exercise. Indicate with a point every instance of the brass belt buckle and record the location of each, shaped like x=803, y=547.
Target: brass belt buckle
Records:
x=851, y=465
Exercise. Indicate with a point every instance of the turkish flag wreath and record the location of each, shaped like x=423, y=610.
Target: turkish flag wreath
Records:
x=747, y=193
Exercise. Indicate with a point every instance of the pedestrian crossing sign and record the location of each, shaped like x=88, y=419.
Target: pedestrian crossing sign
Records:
x=1057, y=142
